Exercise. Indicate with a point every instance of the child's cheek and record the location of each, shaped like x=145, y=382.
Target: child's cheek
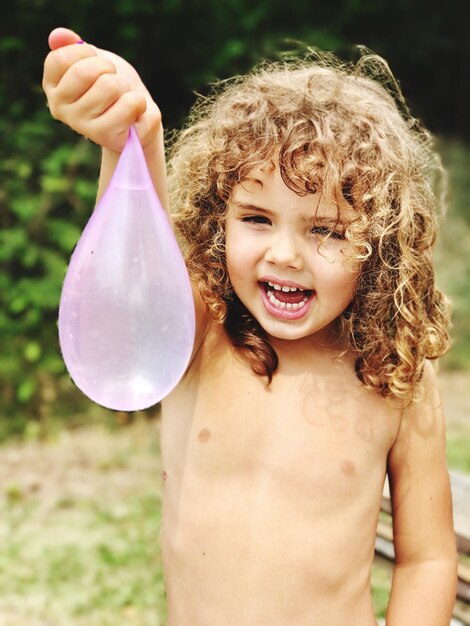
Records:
x=337, y=255
x=336, y=273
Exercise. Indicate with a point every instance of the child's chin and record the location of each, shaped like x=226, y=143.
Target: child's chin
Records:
x=286, y=333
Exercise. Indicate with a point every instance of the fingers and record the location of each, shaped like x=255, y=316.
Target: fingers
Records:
x=82, y=75
x=65, y=98
x=148, y=124
x=95, y=101
x=111, y=128
x=60, y=60
x=62, y=37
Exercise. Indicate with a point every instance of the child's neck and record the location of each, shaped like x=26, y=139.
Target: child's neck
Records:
x=320, y=348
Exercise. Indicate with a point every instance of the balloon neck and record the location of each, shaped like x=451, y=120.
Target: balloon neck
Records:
x=131, y=170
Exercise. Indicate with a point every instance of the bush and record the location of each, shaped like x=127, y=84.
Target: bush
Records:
x=47, y=195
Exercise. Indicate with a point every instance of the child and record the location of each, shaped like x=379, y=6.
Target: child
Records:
x=302, y=199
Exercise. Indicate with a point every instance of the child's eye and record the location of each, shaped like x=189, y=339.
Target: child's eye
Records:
x=256, y=219
x=324, y=232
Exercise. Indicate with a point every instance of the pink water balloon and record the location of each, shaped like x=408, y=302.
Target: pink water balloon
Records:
x=126, y=315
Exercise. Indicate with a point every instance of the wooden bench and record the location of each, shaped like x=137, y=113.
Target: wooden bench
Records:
x=461, y=503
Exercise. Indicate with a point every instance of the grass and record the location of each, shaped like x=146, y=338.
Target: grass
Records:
x=85, y=563
x=381, y=580
x=79, y=523
x=458, y=450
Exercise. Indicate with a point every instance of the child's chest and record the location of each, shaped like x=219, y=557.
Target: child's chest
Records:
x=316, y=433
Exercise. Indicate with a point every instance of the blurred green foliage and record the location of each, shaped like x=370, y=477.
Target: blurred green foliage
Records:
x=48, y=187
x=452, y=258
x=48, y=174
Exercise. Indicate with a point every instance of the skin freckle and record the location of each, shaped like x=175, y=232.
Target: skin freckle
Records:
x=204, y=435
x=165, y=475
x=347, y=467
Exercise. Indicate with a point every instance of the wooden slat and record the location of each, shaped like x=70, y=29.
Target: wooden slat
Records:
x=464, y=572
x=463, y=591
x=385, y=531
x=384, y=548
x=462, y=612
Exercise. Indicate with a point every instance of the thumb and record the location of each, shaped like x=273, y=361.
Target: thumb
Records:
x=62, y=37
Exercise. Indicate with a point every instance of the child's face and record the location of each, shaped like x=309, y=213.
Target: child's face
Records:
x=273, y=239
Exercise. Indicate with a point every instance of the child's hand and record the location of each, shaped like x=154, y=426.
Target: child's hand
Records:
x=97, y=93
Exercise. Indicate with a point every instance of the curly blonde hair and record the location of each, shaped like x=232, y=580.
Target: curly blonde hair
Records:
x=346, y=128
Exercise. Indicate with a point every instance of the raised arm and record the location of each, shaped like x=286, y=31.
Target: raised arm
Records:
x=425, y=574
x=99, y=95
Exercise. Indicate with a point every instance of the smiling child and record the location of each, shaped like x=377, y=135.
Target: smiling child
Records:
x=302, y=197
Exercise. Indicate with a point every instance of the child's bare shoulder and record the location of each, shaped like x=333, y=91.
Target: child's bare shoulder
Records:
x=423, y=419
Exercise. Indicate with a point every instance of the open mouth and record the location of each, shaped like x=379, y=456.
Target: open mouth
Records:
x=286, y=301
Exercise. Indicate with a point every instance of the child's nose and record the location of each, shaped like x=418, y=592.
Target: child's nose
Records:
x=283, y=251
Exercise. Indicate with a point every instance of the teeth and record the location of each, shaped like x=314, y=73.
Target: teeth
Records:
x=277, y=287
x=286, y=305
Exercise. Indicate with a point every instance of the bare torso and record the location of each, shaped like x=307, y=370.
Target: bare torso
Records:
x=271, y=494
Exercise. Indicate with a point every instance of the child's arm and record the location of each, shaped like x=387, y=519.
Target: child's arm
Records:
x=99, y=95
x=425, y=573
